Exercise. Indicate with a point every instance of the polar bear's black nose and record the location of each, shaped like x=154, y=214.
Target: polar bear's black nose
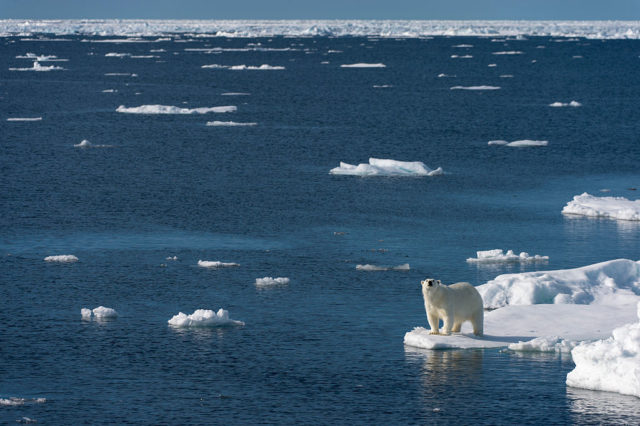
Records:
x=430, y=283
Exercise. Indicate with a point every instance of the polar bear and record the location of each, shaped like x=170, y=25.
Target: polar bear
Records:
x=454, y=304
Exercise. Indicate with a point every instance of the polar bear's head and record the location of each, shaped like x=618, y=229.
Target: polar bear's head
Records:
x=429, y=284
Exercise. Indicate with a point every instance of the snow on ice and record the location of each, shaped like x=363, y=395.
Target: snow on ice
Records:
x=385, y=167
x=606, y=207
x=497, y=256
x=203, y=318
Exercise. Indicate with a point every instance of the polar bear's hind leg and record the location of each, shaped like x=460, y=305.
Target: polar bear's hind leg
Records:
x=478, y=322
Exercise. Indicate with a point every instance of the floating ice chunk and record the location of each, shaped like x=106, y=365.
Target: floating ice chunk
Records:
x=38, y=67
x=545, y=344
x=109, y=91
x=86, y=314
x=172, y=258
x=463, y=45
x=498, y=256
x=492, y=65
x=563, y=104
x=363, y=65
x=266, y=281
x=367, y=267
x=215, y=66
x=102, y=312
x=215, y=264
x=607, y=207
x=611, y=365
x=24, y=119
x=506, y=76
x=84, y=144
x=475, y=88
x=62, y=258
x=586, y=285
x=461, y=56
x=41, y=58
x=116, y=55
x=228, y=124
x=123, y=74
x=519, y=144
x=443, y=75
x=261, y=67
x=203, y=318
x=167, y=109
x=508, y=52
x=384, y=167
x=235, y=94
x=382, y=86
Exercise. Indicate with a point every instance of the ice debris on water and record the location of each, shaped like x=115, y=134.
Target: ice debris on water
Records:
x=203, y=318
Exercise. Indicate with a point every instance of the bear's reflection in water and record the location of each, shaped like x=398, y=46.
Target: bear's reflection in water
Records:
x=447, y=368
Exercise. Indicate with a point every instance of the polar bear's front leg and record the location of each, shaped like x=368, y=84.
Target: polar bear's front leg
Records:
x=434, y=322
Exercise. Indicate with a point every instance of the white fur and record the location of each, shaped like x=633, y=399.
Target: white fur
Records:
x=454, y=304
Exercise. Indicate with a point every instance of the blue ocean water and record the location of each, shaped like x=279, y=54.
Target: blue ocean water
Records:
x=327, y=347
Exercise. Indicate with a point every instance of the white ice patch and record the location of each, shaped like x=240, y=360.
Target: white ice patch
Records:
x=41, y=58
x=463, y=45
x=544, y=344
x=24, y=119
x=498, y=256
x=228, y=124
x=61, y=258
x=235, y=94
x=475, y=88
x=443, y=75
x=37, y=67
x=591, y=284
x=203, y=318
x=168, y=109
x=260, y=68
x=267, y=281
x=116, y=55
x=565, y=104
x=363, y=65
x=102, y=312
x=606, y=207
x=461, y=56
x=109, y=91
x=508, y=52
x=215, y=264
x=86, y=314
x=612, y=364
x=519, y=144
x=13, y=401
x=385, y=167
x=506, y=76
x=120, y=74
x=382, y=86
x=368, y=267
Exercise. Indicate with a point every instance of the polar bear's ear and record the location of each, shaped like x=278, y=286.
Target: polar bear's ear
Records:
x=439, y=282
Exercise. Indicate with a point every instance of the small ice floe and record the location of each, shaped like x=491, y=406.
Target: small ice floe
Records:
x=172, y=258
x=367, y=267
x=41, y=58
x=37, y=67
x=229, y=124
x=385, y=167
x=99, y=313
x=605, y=207
x=498, y=256
x=26, y=420
x=168, y=109
x=235, y=94
x=109, y=91
x=364, y=65
x=612, y=364
x=268, y=281
x=506, y=76
x=116, y=55
x=443, y=75
x=13, y=401
x=204, y=318
x=120, y=74
x=61, y=258
x=263, y=67
x=216, y=264
x=215, y=66
x=565, y=104
x=382, y=86
x=519, y=144
x=84, y=144
x=475, y=88
x=24, y=119
x=508, y=52
x=463, y=46
x=461, y=56
x=492, y=65
x=544, y=344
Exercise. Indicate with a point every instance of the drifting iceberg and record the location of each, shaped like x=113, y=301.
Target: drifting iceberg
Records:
x=607, y=207
x=384, y=167
x=497, y=256
x=203, y=318
x=167, y=109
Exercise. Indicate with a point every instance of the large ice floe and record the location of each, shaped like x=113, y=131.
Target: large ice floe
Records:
x=386, y=167
x=475, y=88
x=61, y=258
x=498, y=256
x=203, y=318
x=519, y=144
x=368, y=267
x=168, y=109
x=306, y=28
x=605, y=207
x=548, y=310
x=612, y=364
x=215, y=264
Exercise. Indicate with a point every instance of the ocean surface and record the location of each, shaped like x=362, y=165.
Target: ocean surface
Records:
x=326, y=348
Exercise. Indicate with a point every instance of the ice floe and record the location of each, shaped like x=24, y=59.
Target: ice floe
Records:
x=168, y=109
x=463, y=45
x=443, y=75
x=235, y=94
x=203, y=318
x=612, y=364
x=24, y=119
x=605, y=207
x=498, y=256
x=37, y=67
x=86, y=314
x=475, y=88
x=61, y=258
x=386, y=167
x=267, y=281
x=86, y=144
x=41, y=58
x=215, y=264
x=116, y=55
x=368, y=267
x=363, y=65
x=538, y=311
x=136, y=28
x=506, y=76
x=260, y=68
x=229, y=124
x=508, y=52
x=519, y=144
x=120, y=74
x=13, y=401
x=461, y=56
x=99, y=313
x=565, y=104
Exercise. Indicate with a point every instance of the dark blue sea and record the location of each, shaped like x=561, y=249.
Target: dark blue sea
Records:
x=326, y=348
